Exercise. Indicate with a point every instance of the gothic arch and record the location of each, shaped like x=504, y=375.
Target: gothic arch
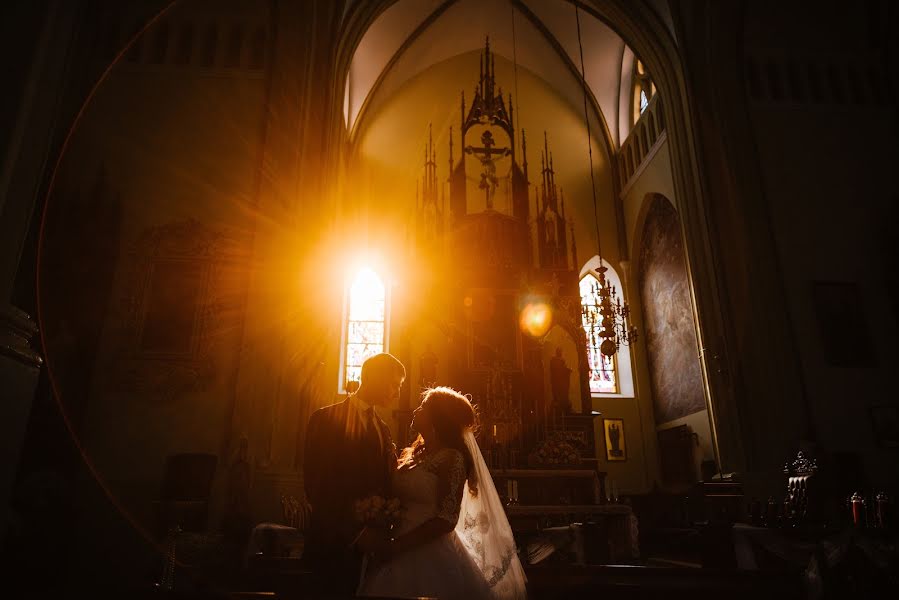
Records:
x=355, y=34
x=643, y=31
x=639, y=225
x=672, y=354
x=652, y=40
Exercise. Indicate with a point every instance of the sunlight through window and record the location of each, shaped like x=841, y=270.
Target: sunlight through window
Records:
x=643, y=90
x=365, y=322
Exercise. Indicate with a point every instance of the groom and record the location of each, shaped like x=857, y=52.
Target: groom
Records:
x=349, y=455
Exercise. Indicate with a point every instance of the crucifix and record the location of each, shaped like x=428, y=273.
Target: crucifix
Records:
x=486, y=155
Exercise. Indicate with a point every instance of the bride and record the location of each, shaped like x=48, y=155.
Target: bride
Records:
x=454, y=540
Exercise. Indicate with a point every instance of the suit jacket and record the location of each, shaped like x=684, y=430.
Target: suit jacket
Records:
x=344, y=461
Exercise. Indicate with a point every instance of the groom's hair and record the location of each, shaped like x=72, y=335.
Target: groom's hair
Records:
x=380, y=366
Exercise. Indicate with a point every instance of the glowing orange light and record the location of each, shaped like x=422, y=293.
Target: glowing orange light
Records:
x=536, y=319
x=365, y=326
x=367, y=295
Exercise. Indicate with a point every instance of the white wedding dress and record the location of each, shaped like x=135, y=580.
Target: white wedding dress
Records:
x=476, y=560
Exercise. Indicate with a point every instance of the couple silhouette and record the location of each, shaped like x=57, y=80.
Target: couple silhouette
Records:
x=452, y=539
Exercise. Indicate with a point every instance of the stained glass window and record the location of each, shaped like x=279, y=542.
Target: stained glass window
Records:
x=366, y=318
x=643, y=88
x=603, y=376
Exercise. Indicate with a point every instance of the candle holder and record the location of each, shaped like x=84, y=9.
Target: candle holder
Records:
x=881, y=518
x=857, y=510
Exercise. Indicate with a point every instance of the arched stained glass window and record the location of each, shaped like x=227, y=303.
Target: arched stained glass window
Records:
x=365, y=323
x=644, y=89
x=603, y=372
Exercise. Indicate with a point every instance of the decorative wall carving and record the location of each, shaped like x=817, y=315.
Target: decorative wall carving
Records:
x=670, y=330
x=181, y=289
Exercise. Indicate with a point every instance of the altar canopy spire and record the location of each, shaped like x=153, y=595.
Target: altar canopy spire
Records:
x=488, y=105
x=429, y=218
x=553, y=230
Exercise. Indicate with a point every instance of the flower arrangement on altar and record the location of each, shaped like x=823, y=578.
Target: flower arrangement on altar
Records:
x=380, y=512
x=554, y=453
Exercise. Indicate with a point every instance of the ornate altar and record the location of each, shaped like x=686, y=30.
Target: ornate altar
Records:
x=505, y=248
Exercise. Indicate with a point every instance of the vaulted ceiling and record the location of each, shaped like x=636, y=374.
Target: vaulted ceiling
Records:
x=538, y=35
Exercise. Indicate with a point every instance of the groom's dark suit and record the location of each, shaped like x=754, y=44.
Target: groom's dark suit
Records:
x=345, y=460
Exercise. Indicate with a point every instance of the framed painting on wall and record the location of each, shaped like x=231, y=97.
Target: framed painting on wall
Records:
x=613, y=433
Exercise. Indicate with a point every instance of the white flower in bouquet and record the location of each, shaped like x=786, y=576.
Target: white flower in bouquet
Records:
x=377, y=511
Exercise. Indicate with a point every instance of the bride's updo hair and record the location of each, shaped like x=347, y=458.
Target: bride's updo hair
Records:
x=452, y=415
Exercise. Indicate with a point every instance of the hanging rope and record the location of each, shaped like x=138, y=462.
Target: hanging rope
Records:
x=580, y=46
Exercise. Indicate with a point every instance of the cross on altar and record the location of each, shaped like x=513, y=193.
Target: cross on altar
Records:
x=486, y=155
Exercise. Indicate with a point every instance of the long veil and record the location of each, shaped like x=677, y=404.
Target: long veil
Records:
x=485, y=531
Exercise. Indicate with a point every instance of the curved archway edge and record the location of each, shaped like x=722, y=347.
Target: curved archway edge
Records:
x=649, y=37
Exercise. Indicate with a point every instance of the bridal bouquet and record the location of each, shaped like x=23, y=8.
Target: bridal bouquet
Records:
x=377, y=511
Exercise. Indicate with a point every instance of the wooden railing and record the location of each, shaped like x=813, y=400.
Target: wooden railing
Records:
x=646, y=134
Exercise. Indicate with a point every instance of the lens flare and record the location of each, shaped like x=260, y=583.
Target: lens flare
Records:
x=536, y=319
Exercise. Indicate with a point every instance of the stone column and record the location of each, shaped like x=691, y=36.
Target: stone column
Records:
x=755, y=354
x=288, y=335
x=27, y=152
x=19, y=368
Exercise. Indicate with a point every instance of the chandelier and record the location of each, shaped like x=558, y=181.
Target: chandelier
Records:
x=607, y=321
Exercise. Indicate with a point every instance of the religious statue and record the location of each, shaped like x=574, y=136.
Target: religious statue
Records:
x=427, y=368
x=560, y=382
x=615, y=440
x=551, y=231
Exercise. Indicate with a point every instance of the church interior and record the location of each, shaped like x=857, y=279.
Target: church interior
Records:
x=649, y=239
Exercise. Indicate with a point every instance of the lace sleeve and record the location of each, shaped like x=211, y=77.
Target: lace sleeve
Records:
x=450, y=470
